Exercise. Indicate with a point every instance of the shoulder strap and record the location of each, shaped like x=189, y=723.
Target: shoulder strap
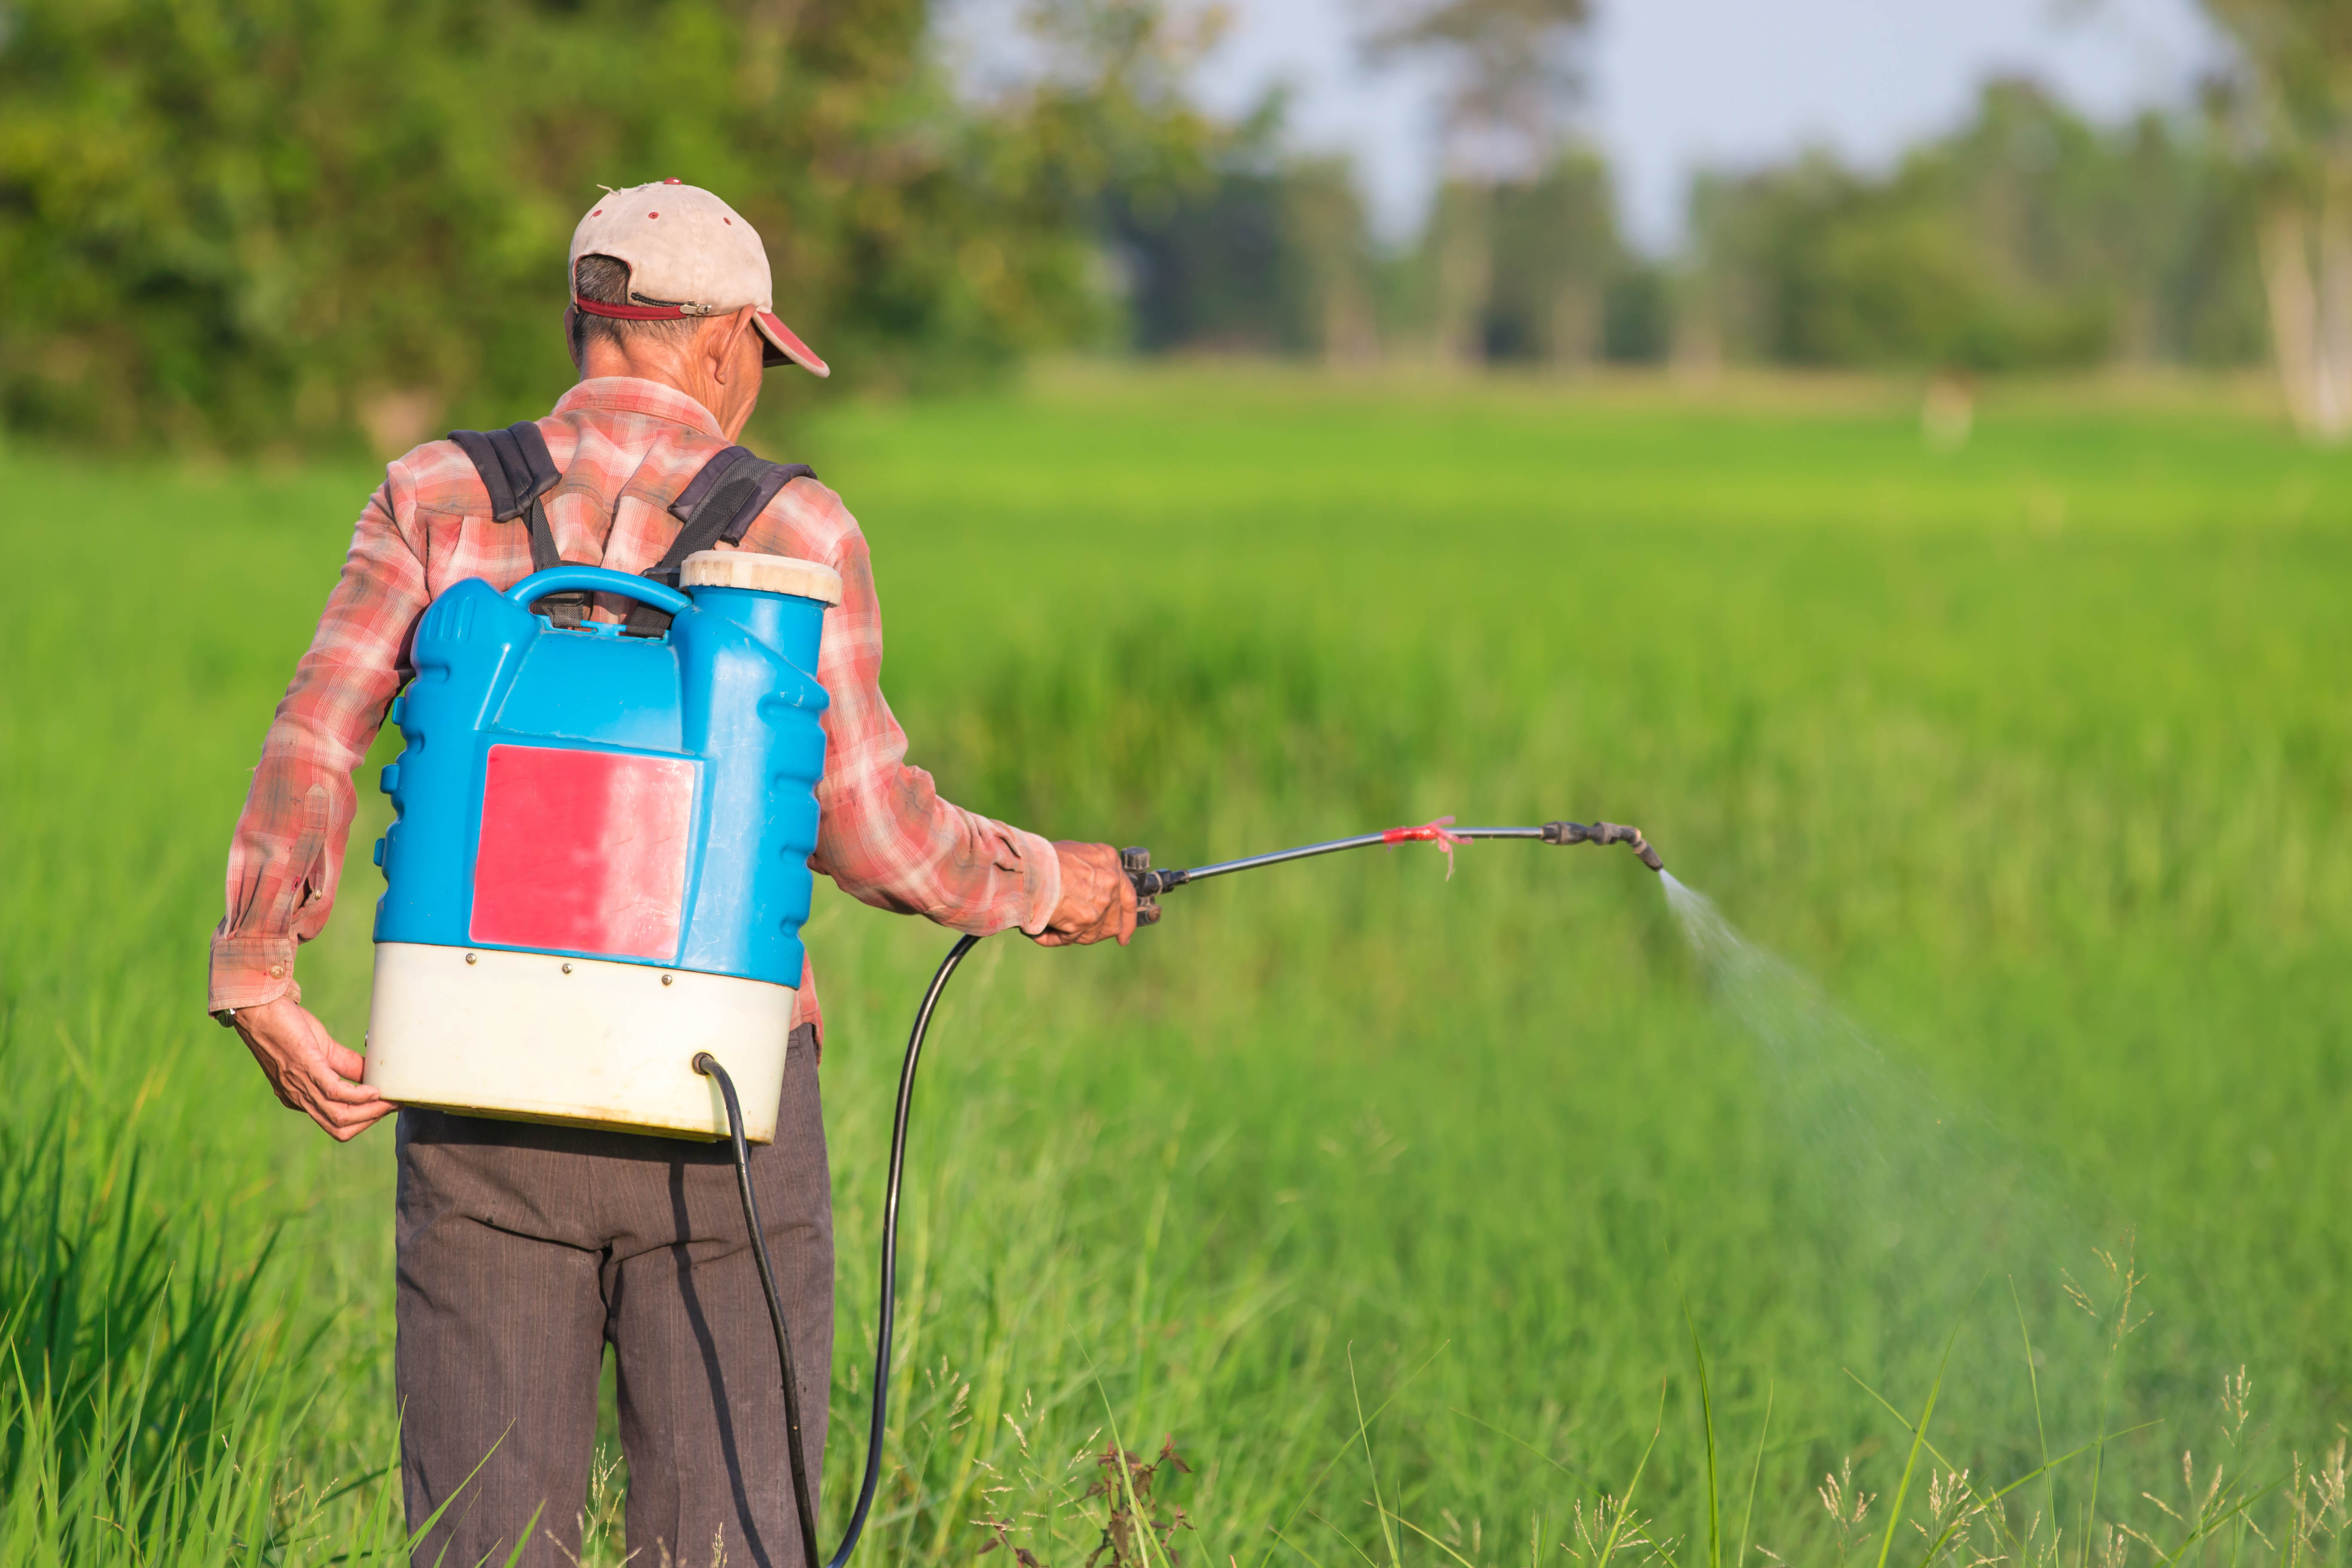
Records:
x=722, y=502
x=514, y=466
x=718, y=505
x=518, y=472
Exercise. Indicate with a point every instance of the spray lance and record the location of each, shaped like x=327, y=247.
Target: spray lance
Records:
x=1149, y=886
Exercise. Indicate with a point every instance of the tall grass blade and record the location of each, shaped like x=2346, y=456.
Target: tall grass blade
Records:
x=1571, y=1471
x=1433, y=1539
x=1341, y=1450
x=1364, y=1433
x=1626, y=1503
x=1911, y=1460
x=1707, y=1420
x=1755, y=1471
x=2034, y=1383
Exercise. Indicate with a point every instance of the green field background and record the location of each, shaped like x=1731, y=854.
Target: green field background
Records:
x=2031, y=759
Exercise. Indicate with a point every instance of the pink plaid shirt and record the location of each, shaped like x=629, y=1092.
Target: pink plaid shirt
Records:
x=626, y=447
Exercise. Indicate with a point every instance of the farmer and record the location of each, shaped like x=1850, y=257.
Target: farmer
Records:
x=524, y=1249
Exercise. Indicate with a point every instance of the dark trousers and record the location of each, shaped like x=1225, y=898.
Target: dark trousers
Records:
x=524, y=1250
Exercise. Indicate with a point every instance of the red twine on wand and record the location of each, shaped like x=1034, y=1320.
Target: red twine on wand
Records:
x=1428, y=833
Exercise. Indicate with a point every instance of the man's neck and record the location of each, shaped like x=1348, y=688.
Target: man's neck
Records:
x=682, y=371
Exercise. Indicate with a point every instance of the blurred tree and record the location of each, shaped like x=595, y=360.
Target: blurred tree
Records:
x=1325, y=223
x=1554, y=254
x=1270, y=258
x=241, y=222
x=2292, y=97
x=2026, y=239
x=1210, y=270
x=1511, y=65
x=1637, y=313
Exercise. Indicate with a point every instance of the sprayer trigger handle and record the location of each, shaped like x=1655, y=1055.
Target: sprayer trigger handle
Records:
x=1136, y=861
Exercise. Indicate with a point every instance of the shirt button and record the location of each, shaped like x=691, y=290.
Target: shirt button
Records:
x=277, y=972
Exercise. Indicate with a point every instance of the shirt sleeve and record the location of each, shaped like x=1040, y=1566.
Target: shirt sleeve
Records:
x=884, y=835
x=288, y=853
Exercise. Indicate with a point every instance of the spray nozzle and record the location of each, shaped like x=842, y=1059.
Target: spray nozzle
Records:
x=1149, y=884
x=1603, y=833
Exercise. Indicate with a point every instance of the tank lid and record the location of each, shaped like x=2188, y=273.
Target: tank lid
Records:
x=767, y=573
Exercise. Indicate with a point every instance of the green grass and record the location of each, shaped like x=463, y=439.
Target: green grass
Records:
x=2036, y=757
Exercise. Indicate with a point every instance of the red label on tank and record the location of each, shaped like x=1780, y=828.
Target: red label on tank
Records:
x=583, y=851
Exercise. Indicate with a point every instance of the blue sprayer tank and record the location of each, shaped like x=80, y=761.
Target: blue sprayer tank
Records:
x=598, y=865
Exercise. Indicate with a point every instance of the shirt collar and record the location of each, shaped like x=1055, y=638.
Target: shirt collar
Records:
x=633, y=395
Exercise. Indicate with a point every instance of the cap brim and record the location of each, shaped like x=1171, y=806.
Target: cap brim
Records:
x=784, y=345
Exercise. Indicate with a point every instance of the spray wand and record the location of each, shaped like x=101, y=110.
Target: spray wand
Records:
x=1149, y=885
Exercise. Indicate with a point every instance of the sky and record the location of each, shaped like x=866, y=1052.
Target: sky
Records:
x=1680, y=84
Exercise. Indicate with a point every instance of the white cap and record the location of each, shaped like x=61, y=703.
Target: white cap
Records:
x=689, y=254
x=768, y=573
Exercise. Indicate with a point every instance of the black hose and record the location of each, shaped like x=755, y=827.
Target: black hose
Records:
x=708, y=1065
x=803, y=1497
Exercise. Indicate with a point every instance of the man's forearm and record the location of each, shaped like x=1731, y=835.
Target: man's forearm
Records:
x=286, y=857
x=903, y=848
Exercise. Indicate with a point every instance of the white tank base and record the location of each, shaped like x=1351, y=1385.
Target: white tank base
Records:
x=578, y=1042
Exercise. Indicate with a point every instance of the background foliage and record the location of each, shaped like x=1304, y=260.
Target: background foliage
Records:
x=302, y=224
x=2028, y=238
x=275, y=222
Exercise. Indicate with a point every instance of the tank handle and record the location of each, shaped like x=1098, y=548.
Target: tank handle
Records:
x=598, y=580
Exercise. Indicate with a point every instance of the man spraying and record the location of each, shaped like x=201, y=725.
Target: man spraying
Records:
x=523, y=1250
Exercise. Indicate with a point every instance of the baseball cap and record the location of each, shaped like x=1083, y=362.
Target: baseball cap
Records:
x=689, y=255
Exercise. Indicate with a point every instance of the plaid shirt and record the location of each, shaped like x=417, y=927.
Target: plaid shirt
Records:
x=626, y=447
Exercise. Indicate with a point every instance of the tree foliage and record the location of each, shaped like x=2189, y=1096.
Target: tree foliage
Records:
x=2026, y=238
x=2290, y=100
x=1271, y=256
x=2298, y=57
x=1511, y=81
x=1554, y=254
x=243, y=222
x=1511, y=67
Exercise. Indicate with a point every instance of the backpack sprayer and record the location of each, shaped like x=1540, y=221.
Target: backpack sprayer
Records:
x=598, y=871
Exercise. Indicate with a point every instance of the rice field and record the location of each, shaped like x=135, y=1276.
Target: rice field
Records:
x=1430, y=1218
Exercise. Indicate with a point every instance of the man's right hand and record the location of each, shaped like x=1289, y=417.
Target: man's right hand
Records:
x=1097, y=900
x=311, y=1073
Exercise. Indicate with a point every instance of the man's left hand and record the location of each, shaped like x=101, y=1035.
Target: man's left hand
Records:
x=1097, y=900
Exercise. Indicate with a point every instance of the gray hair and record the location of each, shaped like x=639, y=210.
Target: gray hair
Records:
x=605, y=279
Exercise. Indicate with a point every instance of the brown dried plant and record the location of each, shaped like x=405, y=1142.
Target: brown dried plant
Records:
x=1137, y=1519
x=1139, y=1527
